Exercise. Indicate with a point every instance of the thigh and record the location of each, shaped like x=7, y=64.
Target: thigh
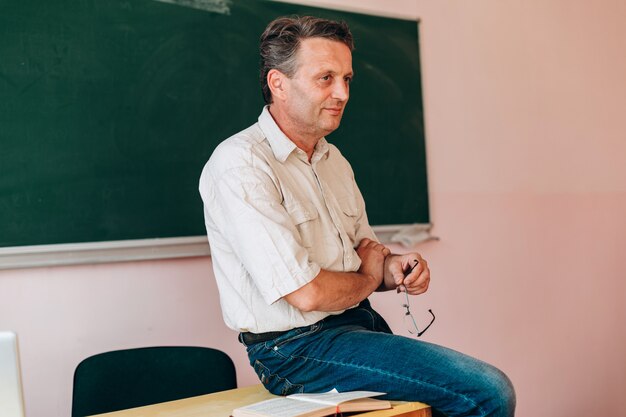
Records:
x=352, y=357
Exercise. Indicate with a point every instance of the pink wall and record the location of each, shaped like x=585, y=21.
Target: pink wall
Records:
x=525, y=134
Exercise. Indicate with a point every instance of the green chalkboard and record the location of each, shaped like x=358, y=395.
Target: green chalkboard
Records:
x=109, y=110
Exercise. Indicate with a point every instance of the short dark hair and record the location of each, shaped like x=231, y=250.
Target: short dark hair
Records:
x=281, y=39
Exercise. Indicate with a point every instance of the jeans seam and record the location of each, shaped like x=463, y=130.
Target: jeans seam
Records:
x=388, y=374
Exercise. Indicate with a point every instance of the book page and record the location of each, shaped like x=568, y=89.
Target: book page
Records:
x=281, y=407
x=333, y=397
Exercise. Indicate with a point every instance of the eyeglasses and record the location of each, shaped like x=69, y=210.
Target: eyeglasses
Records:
x=409, y=320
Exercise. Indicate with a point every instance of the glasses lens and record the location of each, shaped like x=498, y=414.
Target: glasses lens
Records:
x=409, y=323
x=409, y=320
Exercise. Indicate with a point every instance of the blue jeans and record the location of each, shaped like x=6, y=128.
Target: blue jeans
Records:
x=357, y=351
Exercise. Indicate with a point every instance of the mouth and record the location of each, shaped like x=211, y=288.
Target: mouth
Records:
x=335, y=111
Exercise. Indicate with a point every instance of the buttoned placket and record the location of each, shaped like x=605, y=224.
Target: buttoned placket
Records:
x=334, y=216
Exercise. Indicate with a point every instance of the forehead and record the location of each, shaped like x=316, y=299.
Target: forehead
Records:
x=319, y=53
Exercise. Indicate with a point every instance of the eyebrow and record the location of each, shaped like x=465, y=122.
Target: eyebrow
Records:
x=327, y=71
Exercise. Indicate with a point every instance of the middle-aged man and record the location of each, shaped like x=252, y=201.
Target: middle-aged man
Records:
x=295, y=258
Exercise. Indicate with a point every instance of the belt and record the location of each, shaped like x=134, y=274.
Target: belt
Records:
x=252, y=338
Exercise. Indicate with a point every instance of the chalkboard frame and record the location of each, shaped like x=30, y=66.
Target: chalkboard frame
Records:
x=137, y=249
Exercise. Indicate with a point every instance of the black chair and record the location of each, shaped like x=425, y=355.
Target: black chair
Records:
x=135, y=377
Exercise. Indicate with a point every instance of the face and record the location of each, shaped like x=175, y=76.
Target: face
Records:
x=316, y=95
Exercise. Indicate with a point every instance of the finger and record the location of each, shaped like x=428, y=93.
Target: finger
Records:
x=421, y=279
x=409, y=267
x=365, y=242
x=412, y=262
x=372, y=243
x=380, y=247
x=374, y=248
x=418, y=290
x=416, y=258
x=420, y=285
x=418, y=269
x=396, y=270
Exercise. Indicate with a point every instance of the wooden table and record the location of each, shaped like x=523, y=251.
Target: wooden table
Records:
x=221, y=404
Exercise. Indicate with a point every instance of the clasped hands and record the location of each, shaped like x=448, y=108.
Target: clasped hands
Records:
x=391, y=269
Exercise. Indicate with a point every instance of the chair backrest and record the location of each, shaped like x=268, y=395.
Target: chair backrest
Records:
x=135, y=377
x=11, y=401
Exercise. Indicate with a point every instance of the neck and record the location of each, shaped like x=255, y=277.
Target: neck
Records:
x=300, y=137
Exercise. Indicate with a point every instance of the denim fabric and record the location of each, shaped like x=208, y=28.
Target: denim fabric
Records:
x=357, y=351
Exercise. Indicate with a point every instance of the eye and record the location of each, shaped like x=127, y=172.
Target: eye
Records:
x=348, y=80
x=325, y=78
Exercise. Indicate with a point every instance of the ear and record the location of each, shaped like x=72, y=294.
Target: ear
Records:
x=277, y=82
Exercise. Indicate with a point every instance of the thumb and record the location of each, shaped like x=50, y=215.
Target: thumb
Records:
x=395, y=267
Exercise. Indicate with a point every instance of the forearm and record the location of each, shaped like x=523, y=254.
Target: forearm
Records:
x=333, y=291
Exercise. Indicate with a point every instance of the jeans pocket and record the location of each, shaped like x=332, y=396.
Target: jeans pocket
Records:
x=274, y=383
x=295, y=334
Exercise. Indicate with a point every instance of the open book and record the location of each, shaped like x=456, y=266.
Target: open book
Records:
x=314, y=405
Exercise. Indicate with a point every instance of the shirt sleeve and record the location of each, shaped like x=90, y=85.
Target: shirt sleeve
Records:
x=248, y=212
x=363, y=228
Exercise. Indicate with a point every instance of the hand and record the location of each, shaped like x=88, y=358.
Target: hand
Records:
x=397, y=266
x=372, y=256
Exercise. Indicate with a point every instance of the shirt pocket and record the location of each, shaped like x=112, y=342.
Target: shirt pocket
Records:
x=305, y=217
x=349, y=215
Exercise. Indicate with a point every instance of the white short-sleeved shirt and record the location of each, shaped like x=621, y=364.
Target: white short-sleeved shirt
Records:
x=274, y=220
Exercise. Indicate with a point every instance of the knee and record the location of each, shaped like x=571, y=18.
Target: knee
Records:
x=501, y=394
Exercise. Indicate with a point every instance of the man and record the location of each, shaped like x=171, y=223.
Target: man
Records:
x=295, y=258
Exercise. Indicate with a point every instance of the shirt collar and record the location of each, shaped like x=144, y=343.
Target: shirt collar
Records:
x=279, y=142
x=281, y=145
x=321, y=150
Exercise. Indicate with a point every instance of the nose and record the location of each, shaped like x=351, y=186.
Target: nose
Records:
x=341, y=90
